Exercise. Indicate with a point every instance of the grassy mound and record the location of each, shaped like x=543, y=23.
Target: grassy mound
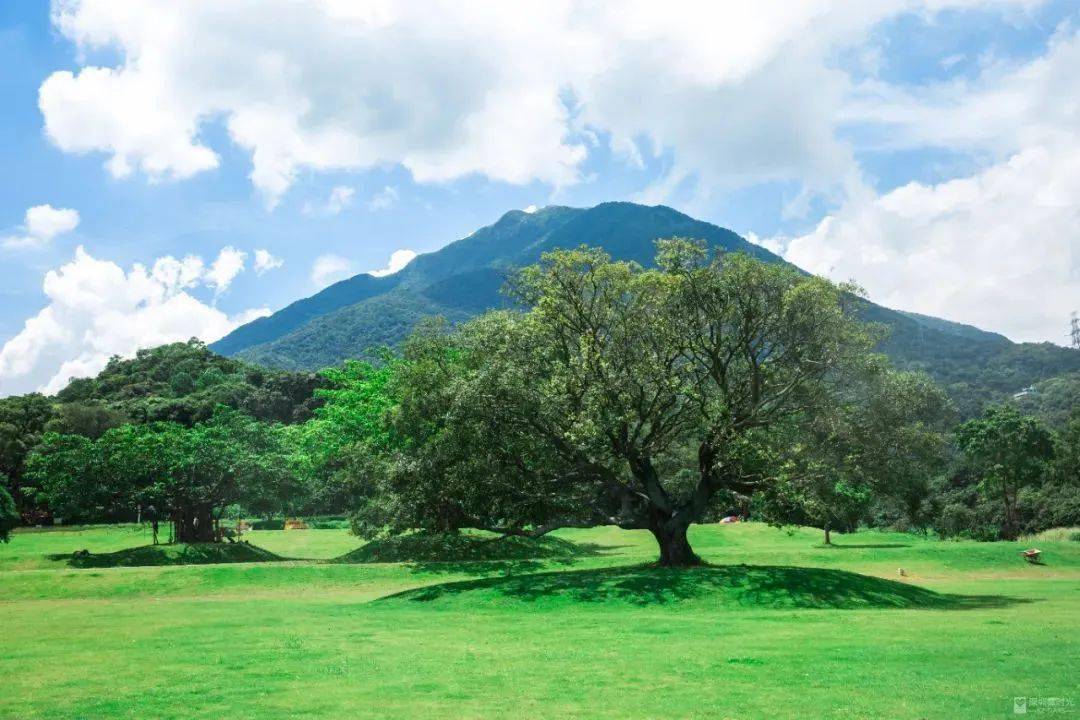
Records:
x=176, y=554
x=745, y=586
x=1060, y=534
x=461, y=547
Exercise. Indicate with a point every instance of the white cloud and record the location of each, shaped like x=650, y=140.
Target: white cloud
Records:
x=176, y=275
x=142, y=124
x=341, y=196
x=531, y=209
x=265, y=262
x=383, y=199
x=96, y=310
x=228, y=264
x=398, y=260
x=41, y=224
x=1010, y=106
x=328, y=269
x=998, y=248
x=736, y=94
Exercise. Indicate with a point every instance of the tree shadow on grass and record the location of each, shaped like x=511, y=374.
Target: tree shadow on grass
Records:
x=176, y=554
x=747, y=586
x=865, y=546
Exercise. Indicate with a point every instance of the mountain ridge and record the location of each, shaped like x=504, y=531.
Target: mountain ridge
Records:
x=354, y=317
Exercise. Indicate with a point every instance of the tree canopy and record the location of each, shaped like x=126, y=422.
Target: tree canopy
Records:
x=331, y=454
x=166, y=470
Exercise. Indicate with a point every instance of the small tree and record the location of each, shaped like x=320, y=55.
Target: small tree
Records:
x=1008, y=452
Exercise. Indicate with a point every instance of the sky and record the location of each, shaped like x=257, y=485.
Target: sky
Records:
x=173, y=170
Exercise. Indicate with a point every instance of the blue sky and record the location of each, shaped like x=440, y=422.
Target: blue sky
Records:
x=929, y=154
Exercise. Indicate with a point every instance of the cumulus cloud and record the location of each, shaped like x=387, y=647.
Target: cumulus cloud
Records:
x=41, y=224
x=383, y=199
x=1010, y=106
x=515, y=92
x=228, y=264
x=176, y=275
x=398, y=260
x=328, y=269
x=340, y=197
x=96, y=310
x=265, y=262
x=998, y=248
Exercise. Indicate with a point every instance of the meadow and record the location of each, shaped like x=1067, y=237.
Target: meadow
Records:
x=307, y=626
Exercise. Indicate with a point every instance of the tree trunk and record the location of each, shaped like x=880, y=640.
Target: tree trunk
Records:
x=194, y=524
x=675, y=550
x=828, y=537
x=1010, y=530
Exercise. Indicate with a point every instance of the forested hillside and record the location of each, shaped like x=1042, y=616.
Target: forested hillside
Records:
x=184, y=382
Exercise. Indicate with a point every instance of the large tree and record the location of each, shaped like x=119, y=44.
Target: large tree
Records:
x=624, y=395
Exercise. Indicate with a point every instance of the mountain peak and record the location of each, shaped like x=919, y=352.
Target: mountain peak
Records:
x=355, y=317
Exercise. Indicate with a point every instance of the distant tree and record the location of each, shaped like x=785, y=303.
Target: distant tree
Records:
x=1058, y=501
x=899, y=425
x=883, y=443
x=231, y=458
x=90, y=419
x=182, y=383
x=23, y=419
x=832, y=501
x=624, y=396
x=66, y=471
x=1007, y=452
x=9, y=514
x=1068, y=456
x=333, y=454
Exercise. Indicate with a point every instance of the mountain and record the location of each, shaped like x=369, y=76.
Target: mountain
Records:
x=356, y=316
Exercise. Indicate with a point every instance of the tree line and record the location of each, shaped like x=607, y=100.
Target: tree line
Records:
x=643, y=398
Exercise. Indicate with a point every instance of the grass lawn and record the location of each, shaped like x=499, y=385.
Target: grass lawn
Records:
x=776, y=627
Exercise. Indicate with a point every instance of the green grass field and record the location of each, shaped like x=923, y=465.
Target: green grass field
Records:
x=776, y=627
